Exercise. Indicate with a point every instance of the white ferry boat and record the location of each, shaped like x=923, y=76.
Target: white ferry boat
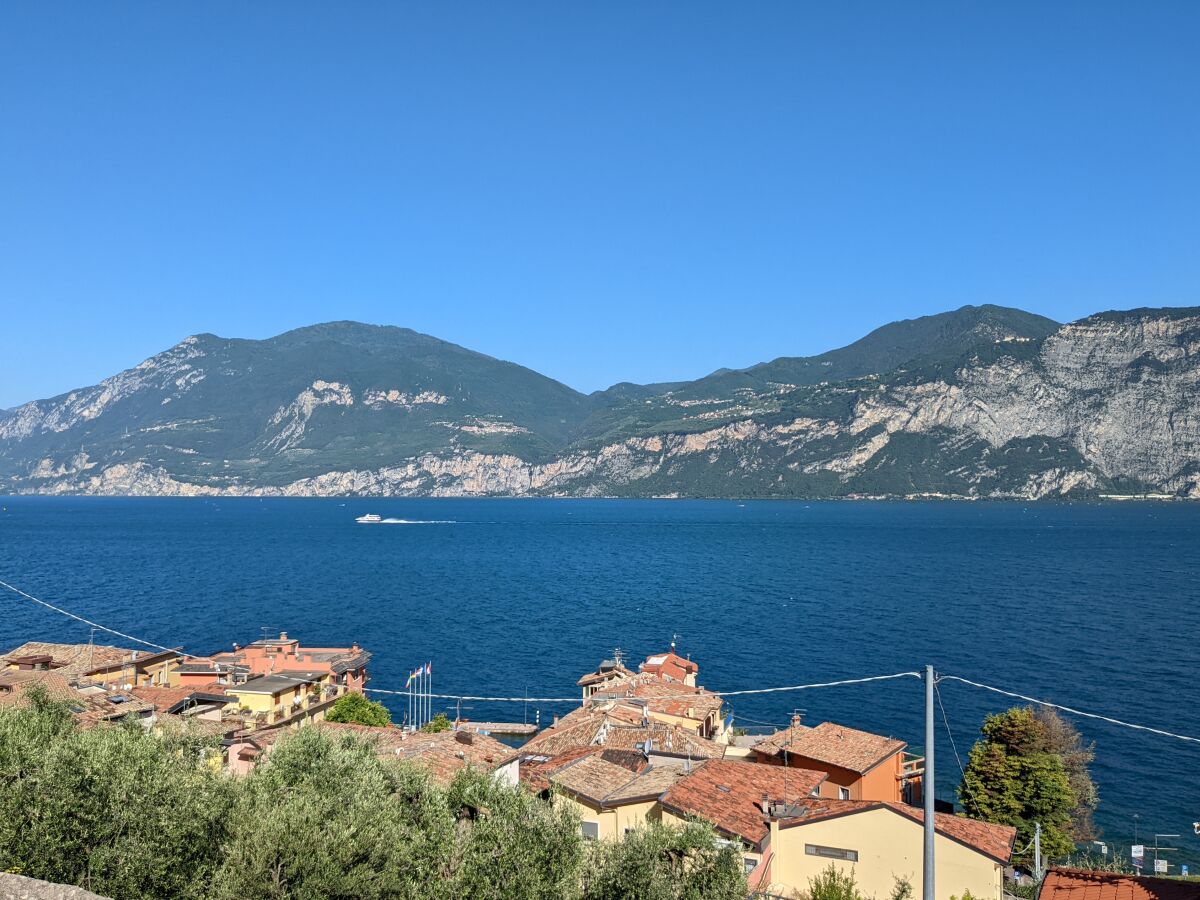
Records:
x=369, y=519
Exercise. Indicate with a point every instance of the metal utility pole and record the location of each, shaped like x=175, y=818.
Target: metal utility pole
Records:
x=1037, y=850
x=927, y=788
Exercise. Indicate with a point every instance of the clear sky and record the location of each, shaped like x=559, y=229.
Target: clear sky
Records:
x=600, y=191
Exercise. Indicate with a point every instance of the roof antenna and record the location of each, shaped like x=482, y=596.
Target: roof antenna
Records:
x=618, y=655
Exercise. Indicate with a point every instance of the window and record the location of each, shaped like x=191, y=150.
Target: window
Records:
x=831, y=852
x=843, y=793
x=749, y=864
x=591, y=830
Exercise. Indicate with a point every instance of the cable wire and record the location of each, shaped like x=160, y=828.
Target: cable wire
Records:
x=1076, y=712
x=97, y=625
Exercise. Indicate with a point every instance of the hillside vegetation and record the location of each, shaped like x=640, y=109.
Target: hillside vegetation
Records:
x=980, y=402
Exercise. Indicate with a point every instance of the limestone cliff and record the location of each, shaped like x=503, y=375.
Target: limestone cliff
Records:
x=1106, y=405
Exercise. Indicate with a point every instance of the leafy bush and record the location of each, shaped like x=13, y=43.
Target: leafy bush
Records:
x=833, y=884
x=661, y=863
x=110, y=809
x=436, y=724
x=358, y=710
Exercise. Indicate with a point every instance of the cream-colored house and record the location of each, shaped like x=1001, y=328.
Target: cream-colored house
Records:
x=611, y=799
x=881, y=842
x=789, y=833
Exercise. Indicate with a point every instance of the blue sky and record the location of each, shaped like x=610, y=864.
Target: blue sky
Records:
x=603, y=192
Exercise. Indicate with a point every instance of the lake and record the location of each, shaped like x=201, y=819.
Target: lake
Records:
x=1091, y=605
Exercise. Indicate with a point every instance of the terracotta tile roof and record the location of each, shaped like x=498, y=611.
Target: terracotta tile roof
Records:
x=96, y=709
x=729, y=794
x=72, y=660
x=659, y=694
x=607, y=784
x=772, y=744
x=835, y=745
x=606, y=672
x=1079, y=884
x=13, y=686
x=994, y=841
x=592, y=777
x=652, y=782
x=670, y=664
x=164, y=698
x=534, y=769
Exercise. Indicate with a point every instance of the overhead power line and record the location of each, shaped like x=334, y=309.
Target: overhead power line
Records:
x=97, y=625
x=741, y=693
x=1076, y=712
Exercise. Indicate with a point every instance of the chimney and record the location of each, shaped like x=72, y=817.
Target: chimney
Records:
x=354, y=648
x=766, y=805
x=464, y=737
x=283, y=635
x=554, y=724
x=236, y=648
x=796, y=717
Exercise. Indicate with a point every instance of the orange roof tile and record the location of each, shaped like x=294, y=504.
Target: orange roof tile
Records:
x=836, y=745
x=1080, y=884
x=729, y=794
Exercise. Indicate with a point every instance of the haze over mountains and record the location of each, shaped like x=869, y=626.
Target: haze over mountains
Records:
x=979, y=402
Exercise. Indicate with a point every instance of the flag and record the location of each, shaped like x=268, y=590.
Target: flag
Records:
x=428, y=668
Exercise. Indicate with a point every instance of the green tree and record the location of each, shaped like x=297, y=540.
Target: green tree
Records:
x=663, y=863
x=323, y=816
x=833, y=884
x=358, y=710
x=112, y=809
x=437, y=723
x=1063, y=739
x=1013, y=778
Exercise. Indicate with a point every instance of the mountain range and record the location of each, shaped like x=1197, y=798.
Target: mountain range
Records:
x=980, y=402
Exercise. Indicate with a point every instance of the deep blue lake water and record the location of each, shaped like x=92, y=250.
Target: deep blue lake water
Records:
x=1090, y=605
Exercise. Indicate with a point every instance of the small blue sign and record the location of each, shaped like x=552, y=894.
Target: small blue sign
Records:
x=1183, y=871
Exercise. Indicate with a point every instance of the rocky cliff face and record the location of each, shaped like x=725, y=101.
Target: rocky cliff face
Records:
x=1106, y=405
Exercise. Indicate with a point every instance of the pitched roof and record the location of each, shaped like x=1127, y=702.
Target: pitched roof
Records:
x=994, y=841
x=607, y=784
x=592, y=777
x=729, y=794
x=608, y=670
x=14, y=685
x=587, y=727
x=73, y=660
x=670, y=664
x=165, y=699
x=535, y=769
x=835, y=745
x=663, y=695
x=1079, y=884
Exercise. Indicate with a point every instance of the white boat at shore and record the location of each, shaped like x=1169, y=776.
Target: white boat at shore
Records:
x=369, y=519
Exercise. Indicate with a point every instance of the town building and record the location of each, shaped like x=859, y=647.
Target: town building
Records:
x=608, y=671
x=790, y=833
x=859, y=765
x=623, y=726
x=667, y=701
x=672, y=666
x=93, y=663
x=343, y=668
x=610, y=796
